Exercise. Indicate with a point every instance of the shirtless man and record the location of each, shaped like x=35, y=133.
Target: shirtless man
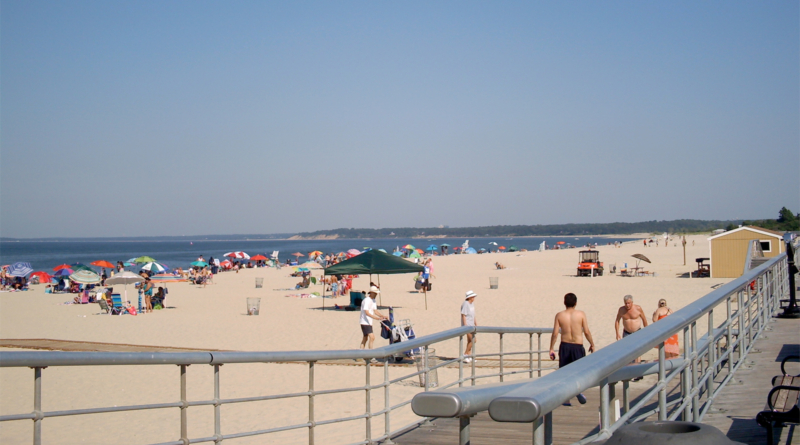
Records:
x=572, y=325
x=632, y=317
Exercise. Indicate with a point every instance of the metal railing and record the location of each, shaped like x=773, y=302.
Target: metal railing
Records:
x=707, y=365
x=40, y=360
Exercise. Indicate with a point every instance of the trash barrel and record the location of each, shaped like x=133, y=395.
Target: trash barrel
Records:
x=433, y=374
x=685, y=433
x=253, y=306
x=493, y=281
x=259, y=283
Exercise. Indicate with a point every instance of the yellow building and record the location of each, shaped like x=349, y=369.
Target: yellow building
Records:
x=729, y=249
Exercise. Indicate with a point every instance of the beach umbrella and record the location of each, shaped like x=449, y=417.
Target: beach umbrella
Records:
x=481, y=250
x=298, y=254
x=44, y=277
x=493, y=243
x=199, y=264
x=80, y=266
x=167, y=278
x=155, y=267
x=397, y=253
x=382, y=250
x=311, y=265
x=513, y=249
x=314, y=253
x=125, y=278
x=102, y=263
x=63, y=272
x=432, y=247
x=409, y=247
x=62, y=266
x=561, y=242
x=501, y=248
x=85, y=277
x=259, y=257
x=470, y=250
x=353, y=252
x=414, y=254
x=143, y=259
x=445, y=245
x=238, y=254
x=19, y=269
x=639, y=256
x=226, y=264
x=127, y=264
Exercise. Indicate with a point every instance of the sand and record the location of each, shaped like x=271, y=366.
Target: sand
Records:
x=530, y=292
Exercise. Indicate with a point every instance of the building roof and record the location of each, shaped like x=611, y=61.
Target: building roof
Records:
x=756, y=229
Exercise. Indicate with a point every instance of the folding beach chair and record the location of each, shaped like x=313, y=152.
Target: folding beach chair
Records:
x=104, y=306
x=118, y=308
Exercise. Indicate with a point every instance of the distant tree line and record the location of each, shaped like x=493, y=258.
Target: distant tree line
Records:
x=787, y=222
x=617, y=228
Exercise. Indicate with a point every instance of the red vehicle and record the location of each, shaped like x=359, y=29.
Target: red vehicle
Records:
x=590, y=260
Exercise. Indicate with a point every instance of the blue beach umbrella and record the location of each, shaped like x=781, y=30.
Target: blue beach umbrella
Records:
x=397, y=253
x=200, y=264
x=432, y=247
x=63, y=272
x=19, y=269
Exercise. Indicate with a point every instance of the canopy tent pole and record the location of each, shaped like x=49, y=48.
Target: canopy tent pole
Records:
x=379, y=286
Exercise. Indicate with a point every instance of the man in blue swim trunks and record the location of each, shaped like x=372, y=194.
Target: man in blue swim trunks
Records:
x=572, y=325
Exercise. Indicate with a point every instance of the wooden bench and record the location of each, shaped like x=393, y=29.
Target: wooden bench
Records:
x=782, y=402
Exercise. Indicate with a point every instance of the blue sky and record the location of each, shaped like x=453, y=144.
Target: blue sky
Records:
x=172, y=118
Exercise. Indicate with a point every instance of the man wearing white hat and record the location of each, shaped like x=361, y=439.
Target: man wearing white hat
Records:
x=468, y=319
x=369, y=311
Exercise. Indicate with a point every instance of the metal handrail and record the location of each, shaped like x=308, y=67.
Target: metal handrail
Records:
x=39, y=360
x=534, y=400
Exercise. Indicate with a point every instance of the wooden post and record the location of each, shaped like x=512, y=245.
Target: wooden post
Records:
x=684, y=252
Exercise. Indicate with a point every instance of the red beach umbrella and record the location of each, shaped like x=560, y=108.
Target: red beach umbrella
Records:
x=259, y=258
x=62, y=266
x=561, y=242
x=44, y=277
x=502, y=248
x=102, y=263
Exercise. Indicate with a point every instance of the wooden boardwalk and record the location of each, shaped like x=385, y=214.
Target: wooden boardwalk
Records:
x=734, y=411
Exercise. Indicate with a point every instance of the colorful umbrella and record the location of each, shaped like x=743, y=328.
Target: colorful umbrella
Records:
x=63, y=272
x=44, y=277
x=19, y=269
x=354, y=252
x=200, y=264
x=102, y=263
x=155, y=267
x=314, y=253
x=409, y=247
x=167, y=278
x=80, y=266
x=238, y=254
x=226, y=263
x=85, y=277
x=62, y=266
x=143, y=259
x=259, y=258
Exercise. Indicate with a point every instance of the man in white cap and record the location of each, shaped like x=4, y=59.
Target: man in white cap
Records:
x=468, y=319
x=369, y=311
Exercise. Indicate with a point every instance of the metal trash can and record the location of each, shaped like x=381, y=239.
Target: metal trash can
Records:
x=685, y=433
x=433, y=374
x=253, y=306
x=259, y=283
x=493, y=282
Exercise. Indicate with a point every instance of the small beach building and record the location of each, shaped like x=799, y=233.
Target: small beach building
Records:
x=729, y=249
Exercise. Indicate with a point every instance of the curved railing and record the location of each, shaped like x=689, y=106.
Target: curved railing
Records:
x=39, y=360
x=747, y=304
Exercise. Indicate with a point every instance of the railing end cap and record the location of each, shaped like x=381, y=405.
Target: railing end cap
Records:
x=436, y=404
x=514, y=409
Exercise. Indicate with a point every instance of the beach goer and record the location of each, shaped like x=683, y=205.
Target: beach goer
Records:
x=468, y=319
x=148, y=295
x=573, y=326
x=369, y=312
x=632, y=317
x=499, y=266
x=671, y=347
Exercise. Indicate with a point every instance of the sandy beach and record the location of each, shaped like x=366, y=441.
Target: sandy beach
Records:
x=530, y=292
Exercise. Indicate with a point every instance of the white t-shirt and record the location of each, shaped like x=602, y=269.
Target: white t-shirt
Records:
x=368, y=305
x=468, y=310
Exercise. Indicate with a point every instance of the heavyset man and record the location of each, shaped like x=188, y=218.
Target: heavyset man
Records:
x=632, y=317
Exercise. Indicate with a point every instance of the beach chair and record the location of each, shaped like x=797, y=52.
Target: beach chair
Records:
x=104, y=306
x=118, y=308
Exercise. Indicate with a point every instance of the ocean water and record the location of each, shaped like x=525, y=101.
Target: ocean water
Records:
x=45, y=255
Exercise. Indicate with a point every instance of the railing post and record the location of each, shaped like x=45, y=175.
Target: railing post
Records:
x=425, y=368
x=217, y=414
x=742, y=329
x=662, y=393
x=730, y=335
x=501, y=357
x=184, y=408
x=759, y=299
x=474, y=355
x=686, y=387
x=311, y=423
x=712, y=355
x=460, y=361
x=539, y=354
x=387, y=402
x=37, y=406
x=369, y=397
x=538, y=431
x=463, y=430
x=696, y=395
x=605, y=400
x=530, y=355
x=626, y=401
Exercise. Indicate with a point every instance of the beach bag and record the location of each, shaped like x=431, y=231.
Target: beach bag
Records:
x=157, y=307
x=132, y=310
x=418, y=285
x=386, y=330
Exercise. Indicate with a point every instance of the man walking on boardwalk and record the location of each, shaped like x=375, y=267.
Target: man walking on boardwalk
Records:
x=572, y=325
x=632, y=317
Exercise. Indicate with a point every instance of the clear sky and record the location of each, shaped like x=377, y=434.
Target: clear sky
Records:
x=193, y=117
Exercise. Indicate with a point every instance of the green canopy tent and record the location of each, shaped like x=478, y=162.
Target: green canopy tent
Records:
x=373, y=262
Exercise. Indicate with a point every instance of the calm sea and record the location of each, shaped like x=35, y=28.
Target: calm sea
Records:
x=45, y=255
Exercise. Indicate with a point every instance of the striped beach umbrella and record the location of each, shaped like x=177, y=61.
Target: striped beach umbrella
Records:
x=155, y=267
x=143, y=259
x=19, y=269
x=80, y=266
x=85, y=277
x=167, y=278
x=240, y=255
x=61, y=266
